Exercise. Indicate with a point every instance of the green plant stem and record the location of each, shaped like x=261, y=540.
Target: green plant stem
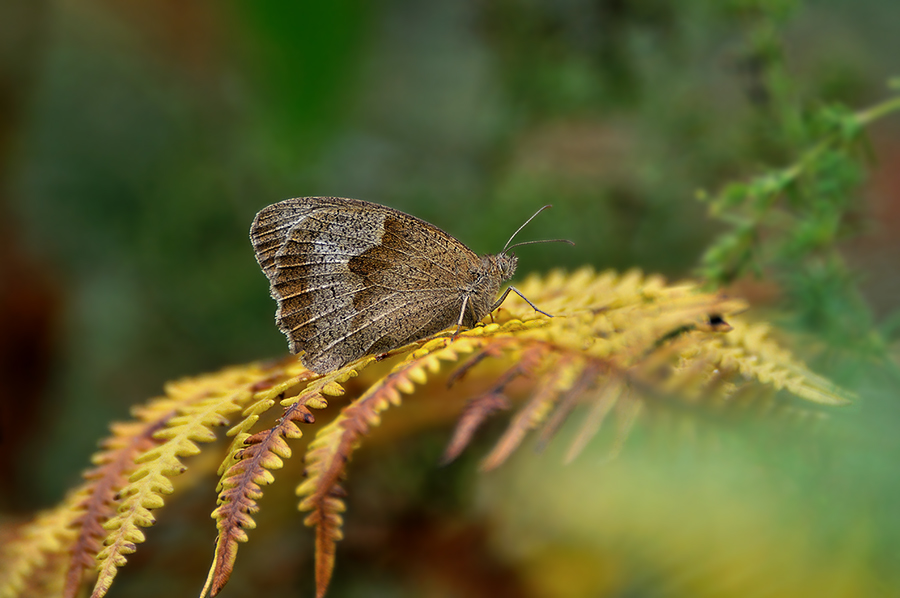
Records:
x=878, y=110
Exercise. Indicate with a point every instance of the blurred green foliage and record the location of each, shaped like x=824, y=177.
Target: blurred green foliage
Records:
x=150, y=134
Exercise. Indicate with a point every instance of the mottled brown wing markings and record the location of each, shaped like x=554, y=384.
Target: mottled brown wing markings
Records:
x=324, y=236
x=294, y=261
x=387, y=255
x=311, y=239
x=389, y=271
x=365, y=295
x=318, y=288
x=352, y=278
x=429, y=321
x=360, y=265
x=369, y=315
x=271, y=227
x=449, y=248
x=376, y=320
x=387, y=298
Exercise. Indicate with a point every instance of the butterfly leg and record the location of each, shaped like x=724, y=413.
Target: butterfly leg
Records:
x=462, y=313
x=516, y=291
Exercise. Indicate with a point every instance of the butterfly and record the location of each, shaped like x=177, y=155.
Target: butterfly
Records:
x=354, y=278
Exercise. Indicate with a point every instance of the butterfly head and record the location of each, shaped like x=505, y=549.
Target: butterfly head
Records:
x=506, y=265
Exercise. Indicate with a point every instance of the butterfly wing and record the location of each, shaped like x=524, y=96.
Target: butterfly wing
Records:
x=353, y=278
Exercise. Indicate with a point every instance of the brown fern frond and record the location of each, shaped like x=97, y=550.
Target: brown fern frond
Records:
x=241, y=488
x=604, y=402
x=619, y=346
x=35, y=546
x=560, y=376
x=482, y=407
x=251, y=459
x=91, y=504
x=587, y=376
x=333, y=446
x=474, y=414
x=630, y=408
x=201, y=404
x=114, y=463
x=326, y=518
x=460, y=372
x=48, y=581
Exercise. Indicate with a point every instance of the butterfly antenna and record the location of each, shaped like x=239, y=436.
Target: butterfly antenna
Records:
x=541, y=241
x=508, y=246
x=505, y=247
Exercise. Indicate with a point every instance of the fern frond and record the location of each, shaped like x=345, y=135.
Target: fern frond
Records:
x=333, y=446
x=480, y=408
x=624, y=335
x=560, y=377
x=475, y=413
x=619, y=346
x=750, y=350
x=251, y=458
x=98, y=497
x=240, y=487
x=607, y=399
x=200, y=404
x=36, y=546
x=587, y=374
x=249, y=462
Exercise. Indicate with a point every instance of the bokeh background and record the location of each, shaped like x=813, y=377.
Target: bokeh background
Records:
x=138, y=140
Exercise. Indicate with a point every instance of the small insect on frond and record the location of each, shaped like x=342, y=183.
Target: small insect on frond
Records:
x=617, y=347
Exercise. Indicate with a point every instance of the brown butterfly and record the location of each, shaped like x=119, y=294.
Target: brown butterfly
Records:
x=354, y=278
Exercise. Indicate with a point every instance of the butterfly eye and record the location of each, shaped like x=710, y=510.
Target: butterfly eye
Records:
x=507, y=264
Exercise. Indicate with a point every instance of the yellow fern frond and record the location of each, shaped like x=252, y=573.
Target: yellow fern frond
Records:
x=750, y=350
x=35, y=547
x=619, y=346
x=200, y=404
x=251, y=459
x=98, y=497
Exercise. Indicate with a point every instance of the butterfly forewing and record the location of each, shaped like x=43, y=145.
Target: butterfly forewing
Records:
x=353, y=278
